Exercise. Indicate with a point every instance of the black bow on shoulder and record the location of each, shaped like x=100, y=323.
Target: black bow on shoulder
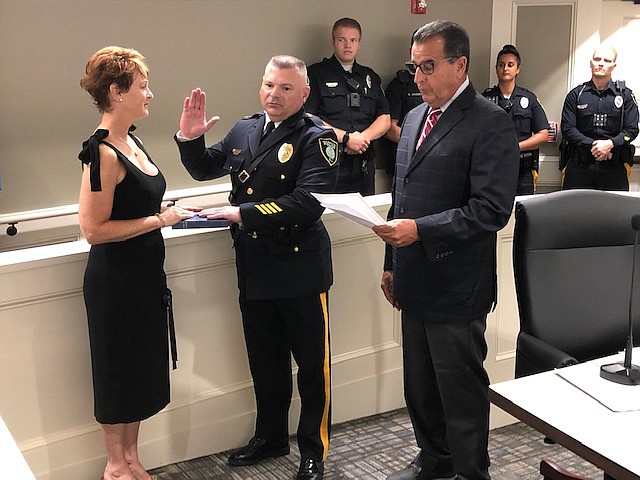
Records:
x=90, y=154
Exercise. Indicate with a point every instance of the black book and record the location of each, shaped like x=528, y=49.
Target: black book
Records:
x=202, y=222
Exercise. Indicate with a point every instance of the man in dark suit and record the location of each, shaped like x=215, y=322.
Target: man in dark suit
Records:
x=283, y=253
x=452, y=194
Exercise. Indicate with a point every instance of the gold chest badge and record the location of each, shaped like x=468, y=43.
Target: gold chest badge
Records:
x=285, y=152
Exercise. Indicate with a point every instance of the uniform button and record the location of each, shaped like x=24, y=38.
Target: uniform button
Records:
x=282, y=228
x=401, y=209
x=249, y=191
x=296, y=249
x=282, y=177
x=406, y=179
x=254, y=234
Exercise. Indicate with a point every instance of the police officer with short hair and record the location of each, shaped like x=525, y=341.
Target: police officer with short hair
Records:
x=348, y=97
x=529, y=118
x=599, y=122
x=403, y=95
x=276, y=159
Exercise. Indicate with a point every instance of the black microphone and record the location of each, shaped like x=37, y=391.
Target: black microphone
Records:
x=624, y=372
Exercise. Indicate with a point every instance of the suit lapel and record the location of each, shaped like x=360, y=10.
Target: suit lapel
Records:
x=449, y=119
x=254, y=132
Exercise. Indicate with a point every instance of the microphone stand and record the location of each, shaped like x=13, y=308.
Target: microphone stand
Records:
x=624, y=372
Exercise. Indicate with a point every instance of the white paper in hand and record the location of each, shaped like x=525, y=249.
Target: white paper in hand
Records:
x=352, y=206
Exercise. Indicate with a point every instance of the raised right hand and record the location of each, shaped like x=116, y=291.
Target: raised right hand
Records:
x=193, y=121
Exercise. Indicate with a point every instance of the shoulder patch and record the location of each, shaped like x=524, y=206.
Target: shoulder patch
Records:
x=633, y=97
x=329, y=149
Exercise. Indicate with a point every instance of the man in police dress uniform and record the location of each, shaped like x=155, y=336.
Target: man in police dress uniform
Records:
x=283, y=253
x=348, y=97
x=528, y=116
x=599, y=122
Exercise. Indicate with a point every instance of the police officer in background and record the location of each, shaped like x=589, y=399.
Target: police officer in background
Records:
x=283, y=253
x=348, y=97
x=599, y=122
x=403, y=95
x=529, y=118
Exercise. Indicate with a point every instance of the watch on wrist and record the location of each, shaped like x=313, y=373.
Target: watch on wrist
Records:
x=345, y=139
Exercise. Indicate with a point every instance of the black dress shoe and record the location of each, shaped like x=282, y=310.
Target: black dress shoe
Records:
x=310, y=470
x=412, y=472
x=255, y=451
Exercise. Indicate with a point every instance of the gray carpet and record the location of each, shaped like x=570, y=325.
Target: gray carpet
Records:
x=374, y=447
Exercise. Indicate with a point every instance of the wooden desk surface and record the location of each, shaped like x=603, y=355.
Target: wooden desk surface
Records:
x=553, y=406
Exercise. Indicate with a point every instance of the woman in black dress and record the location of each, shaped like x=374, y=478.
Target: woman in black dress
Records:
x=125, y=289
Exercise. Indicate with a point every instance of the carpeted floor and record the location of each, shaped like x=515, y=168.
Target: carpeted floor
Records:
x=374, y=447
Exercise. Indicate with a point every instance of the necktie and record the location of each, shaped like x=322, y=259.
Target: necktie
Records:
x=432, y=118
x=270, y=128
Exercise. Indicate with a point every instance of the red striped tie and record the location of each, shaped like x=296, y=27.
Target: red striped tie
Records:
x=432, y=118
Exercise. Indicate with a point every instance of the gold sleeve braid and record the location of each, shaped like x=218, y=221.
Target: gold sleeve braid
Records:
x=268, y=208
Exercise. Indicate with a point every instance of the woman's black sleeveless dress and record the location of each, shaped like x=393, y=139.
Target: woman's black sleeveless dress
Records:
x=124, y=289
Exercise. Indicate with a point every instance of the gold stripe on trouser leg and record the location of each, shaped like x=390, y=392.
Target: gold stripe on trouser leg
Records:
x=324, y=426
x=628, y=168
x=562, y=177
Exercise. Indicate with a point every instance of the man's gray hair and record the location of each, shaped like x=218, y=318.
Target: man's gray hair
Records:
x=456, y=39
x=283, y=62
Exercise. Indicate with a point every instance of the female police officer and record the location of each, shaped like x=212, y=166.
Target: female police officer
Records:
x=529, y=118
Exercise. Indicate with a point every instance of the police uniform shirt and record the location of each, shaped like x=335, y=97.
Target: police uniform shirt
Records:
x=403, y=95
x=282, y=247
x=525, y=110
x=589, y=114
x=330, y=95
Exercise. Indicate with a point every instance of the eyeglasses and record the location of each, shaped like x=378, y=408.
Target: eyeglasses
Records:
x=427, y=67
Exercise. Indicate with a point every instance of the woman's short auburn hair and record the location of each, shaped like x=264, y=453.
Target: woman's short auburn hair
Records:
x=111, y=65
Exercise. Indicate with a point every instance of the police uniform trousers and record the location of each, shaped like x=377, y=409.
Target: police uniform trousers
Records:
x=606, y=175
x=351, y=177
x=446, y=391
x=525, y=182
x=274, y=329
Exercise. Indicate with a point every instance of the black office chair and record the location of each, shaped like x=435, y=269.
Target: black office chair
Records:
x=572, y=257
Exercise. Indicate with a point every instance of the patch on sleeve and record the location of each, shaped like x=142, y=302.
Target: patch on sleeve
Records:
x=329, y=149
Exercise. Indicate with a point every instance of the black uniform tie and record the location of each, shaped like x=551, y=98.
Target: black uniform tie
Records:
x=270, y=128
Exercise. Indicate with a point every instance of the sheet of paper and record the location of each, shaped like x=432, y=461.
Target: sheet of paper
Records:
x=352, y=206
x=614, y=396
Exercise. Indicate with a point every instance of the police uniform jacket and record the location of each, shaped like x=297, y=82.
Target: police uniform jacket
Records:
x=330, y=92
x=282, y=247
x=459, y=186
x=589, y=115
x=403, y=95
x=526, y=112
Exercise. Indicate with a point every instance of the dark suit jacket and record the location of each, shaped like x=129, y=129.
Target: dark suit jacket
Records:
x=459, y=186
x=283, y=249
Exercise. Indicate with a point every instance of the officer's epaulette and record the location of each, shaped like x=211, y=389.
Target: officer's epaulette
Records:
x=255, y=115
x=488, y=89
x=311, y=119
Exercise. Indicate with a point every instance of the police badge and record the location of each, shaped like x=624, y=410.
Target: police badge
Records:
x=618, y=101
x=285, y=152
x=524, y=102
x=329, y=149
